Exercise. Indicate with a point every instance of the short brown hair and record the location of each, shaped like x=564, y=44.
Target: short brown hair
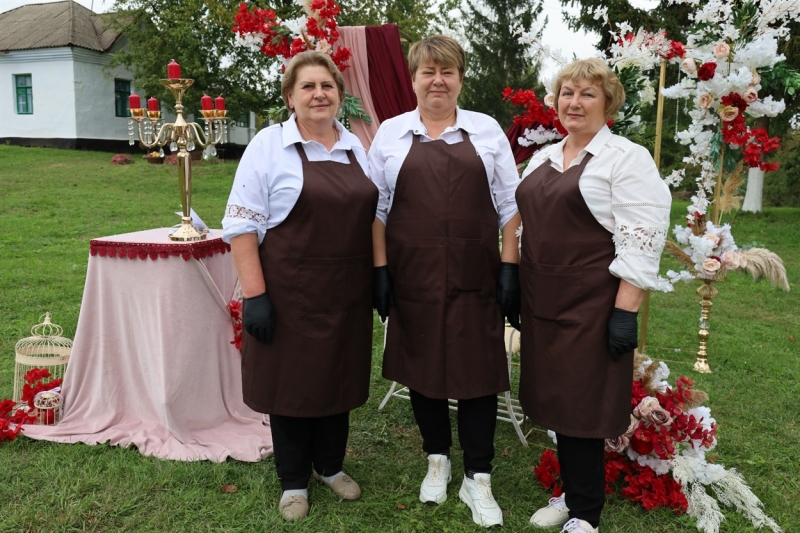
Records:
x=439, y=50
x=594, y=70
x=309, y=58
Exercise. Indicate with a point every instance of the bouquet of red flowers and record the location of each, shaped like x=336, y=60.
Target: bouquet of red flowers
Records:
x=13, y=415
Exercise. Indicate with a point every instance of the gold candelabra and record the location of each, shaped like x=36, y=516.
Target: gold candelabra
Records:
x=182, y=137
x=706, y=292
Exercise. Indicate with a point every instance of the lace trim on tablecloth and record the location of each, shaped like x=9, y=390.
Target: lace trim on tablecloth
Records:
x=133, y=250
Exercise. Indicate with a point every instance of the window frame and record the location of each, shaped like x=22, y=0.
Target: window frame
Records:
x=121, y=98
x=23, y=90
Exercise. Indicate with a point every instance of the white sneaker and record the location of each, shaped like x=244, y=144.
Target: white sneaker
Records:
x=554, y=515
x=477, y=494
x=434, y=486
x=579, y=526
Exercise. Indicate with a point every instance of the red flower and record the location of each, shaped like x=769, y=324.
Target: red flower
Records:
x=706, y=71
x=676, y=49
x=547, y=472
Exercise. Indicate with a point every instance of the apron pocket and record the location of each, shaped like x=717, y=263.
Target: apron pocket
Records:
x=557, y=291
x=420, y=270
x=321, y=285
x=465, y=264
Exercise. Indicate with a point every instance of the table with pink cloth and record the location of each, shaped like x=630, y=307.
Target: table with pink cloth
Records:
x=152, y=362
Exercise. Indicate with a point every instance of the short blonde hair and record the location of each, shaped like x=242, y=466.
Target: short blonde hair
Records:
x=439, y=50
x=594, y=70
x=309, y=58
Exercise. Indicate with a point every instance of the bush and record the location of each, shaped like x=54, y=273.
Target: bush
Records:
x=121, y=159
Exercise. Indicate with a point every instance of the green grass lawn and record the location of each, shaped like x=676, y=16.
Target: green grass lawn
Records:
x=52, y=202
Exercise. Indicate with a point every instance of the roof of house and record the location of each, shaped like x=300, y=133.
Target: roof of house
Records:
x=55, y=25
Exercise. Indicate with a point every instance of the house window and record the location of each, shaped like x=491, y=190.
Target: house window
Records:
x=243, y=120
x=122, y=89
x=24, y=86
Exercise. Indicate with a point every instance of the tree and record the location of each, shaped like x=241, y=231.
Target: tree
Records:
x=197, y=34
x=495, y=58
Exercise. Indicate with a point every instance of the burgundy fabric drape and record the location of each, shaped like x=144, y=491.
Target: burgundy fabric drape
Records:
x=521, y=153
x=389, y=79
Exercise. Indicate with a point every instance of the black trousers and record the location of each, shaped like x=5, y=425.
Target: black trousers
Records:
x=477, y=419
x=302, y=443
x=583, y=475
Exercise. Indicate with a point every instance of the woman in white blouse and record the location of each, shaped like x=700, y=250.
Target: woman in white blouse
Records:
x=299, y=221
x=446, y=178
x=595, y=214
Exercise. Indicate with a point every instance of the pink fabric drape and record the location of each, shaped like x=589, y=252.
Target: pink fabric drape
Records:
x=356, y=79
x=389, y=79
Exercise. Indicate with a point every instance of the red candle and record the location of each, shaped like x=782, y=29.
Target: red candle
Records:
x=205, y=102
x=152, y=104
x=134, y=102
x=173, y=70
x=219, y=102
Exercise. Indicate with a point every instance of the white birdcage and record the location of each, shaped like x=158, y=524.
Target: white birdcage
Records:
x=45, y=348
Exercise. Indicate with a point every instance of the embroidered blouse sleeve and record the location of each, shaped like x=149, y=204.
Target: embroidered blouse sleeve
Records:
x=248, y=204
x=640, y=204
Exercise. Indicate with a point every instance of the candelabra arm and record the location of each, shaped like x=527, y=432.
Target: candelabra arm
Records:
x=199, y=134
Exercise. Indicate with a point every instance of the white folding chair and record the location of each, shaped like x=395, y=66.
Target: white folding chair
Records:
x=508, y=407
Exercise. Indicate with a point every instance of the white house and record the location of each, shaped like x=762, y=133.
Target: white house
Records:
x=55, y=85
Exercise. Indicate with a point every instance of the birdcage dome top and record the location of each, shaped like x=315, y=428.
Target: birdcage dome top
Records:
x=45, y=339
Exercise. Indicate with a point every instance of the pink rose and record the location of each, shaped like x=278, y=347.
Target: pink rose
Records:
x=750, y=95
x=712, y=237
x=732, y=260
x=632, y=426
x=647, y=404
x=549, y=99
x=689, y=65
x=711, y=265
x=756, y=77
x=618, y=444
x=659, y=416
x=727, y=113
x=722, y=50
x=705, y=101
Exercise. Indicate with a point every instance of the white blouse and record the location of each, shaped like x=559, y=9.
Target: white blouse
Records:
x=625, y=193
x=270, y=176
x=393, y=142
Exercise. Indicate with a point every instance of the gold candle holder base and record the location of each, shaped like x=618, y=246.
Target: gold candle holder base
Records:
x=706, y=291
x=187, y=232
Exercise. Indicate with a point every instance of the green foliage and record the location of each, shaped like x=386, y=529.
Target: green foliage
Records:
x=197, y=34
x=351, y=108
x=781, y=76
x=495, y=58
x=415, y=18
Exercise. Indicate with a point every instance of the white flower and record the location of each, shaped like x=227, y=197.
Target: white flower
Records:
x=323, y=46
x=549, y=99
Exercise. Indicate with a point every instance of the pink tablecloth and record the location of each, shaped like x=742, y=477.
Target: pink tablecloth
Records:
x=152, y=364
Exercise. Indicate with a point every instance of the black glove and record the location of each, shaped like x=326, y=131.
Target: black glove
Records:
x=259, y=318
x=622, y=332
x=382, y=292
x=508, y=293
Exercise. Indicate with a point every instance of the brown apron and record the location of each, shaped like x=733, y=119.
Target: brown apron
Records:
x=568, y=381
x=318, y=271
x=445, y=336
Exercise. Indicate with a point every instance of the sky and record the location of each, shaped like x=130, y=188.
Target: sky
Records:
x=556, y=35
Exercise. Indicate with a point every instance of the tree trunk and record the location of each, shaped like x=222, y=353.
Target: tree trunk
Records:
x=753, y=198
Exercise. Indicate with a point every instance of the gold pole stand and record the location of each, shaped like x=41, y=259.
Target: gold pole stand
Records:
x=662, y=77
x=706, y=291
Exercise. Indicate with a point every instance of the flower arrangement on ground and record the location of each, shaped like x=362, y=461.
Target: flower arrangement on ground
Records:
x=660, y=461
x=14, y=415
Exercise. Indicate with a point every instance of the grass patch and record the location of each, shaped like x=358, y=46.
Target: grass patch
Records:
x=53, y=202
